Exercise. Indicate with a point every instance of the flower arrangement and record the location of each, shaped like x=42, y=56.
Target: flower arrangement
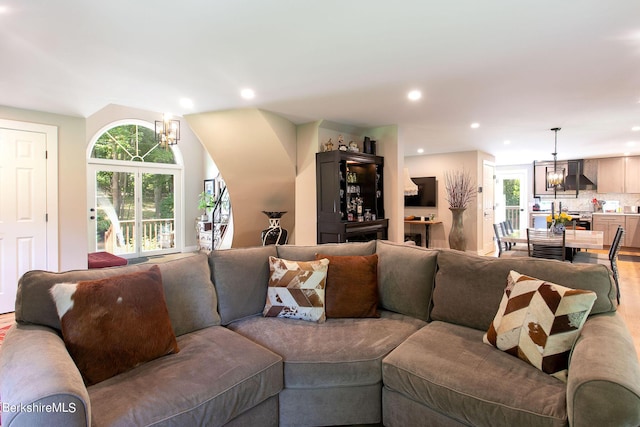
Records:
x=460, y=187
x=562, y=218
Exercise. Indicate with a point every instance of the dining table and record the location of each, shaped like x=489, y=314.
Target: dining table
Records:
x=576, y=239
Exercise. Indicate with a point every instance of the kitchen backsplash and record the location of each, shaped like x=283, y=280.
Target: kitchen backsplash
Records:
x=583, y=202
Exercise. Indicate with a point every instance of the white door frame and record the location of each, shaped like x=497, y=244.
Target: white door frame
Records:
x=51, y=134
x=520, y=173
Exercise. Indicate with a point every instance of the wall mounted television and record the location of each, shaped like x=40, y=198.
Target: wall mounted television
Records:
x=427, y=192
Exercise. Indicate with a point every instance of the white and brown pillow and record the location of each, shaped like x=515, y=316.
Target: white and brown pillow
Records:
x=296, y=289
x=539, y=322
x=114, y=324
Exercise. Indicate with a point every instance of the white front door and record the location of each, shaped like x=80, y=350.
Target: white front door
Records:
x=23, y=209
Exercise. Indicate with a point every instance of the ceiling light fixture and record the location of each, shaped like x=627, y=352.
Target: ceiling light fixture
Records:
x=635, y=128
x=167, y=131
x=420, y=150
x=414, y=95
x=507, y=142
x=555, y=178
x=247, y=93
x=475, y=125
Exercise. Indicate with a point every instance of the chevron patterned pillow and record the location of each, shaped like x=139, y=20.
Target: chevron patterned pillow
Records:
x=296, y=289
x=539, y=322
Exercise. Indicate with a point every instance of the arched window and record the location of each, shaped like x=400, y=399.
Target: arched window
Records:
x=134, y=191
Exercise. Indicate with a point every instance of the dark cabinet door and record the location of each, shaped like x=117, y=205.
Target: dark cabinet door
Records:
x=350, y=197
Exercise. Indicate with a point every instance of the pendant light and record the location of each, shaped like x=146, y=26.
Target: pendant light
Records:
x=410, y=187
x=555, y=178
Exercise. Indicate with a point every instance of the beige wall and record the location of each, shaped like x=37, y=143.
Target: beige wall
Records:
x=436, y=165
x=256, y=154
x=72, y=190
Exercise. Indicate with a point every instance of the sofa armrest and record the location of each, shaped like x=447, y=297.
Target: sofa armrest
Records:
x=603, y=385
x=40, y=384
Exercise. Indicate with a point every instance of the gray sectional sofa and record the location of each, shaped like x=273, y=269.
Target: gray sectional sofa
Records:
x=422, y=362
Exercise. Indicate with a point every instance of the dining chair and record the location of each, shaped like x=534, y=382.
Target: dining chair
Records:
x=610, y=260
x=503, y=247
x=506, y=229
x=541, y=244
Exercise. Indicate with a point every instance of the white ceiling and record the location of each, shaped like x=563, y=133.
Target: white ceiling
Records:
x=518, y=68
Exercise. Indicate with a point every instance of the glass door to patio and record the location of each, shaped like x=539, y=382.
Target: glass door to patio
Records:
x=134, y=210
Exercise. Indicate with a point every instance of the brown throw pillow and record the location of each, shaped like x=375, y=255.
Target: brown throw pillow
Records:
x=352, y=286
x=114, y=324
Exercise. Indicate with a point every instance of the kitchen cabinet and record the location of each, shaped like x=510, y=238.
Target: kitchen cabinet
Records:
x=350, y=197
x=632, y=174
x=619, y=175
x=632, y=231
x=611, y=175
x=608, y=224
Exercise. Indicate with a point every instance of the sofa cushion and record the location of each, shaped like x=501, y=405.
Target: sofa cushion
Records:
x=217, y=376
x=352, y=286
x=449, y=369
x=539, y=322
x=308, y=253
x=296, y=289
x=469, y=287
x=405, y=278
x=241, y=277
x=190, y=295
x=339, y=352
x=114, y=324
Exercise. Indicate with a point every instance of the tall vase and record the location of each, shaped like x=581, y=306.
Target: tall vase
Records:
x=274, y=235
x=457, y=240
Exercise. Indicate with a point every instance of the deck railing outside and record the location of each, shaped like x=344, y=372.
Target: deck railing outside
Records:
x=512, y=213
x=156, y=234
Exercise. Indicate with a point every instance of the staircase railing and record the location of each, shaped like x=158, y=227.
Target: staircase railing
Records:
x=220, y=217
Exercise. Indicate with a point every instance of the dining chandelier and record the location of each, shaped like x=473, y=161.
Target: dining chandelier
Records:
x=555, y=177
x=167, y=131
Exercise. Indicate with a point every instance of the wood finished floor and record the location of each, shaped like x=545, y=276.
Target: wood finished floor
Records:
x=629, y=309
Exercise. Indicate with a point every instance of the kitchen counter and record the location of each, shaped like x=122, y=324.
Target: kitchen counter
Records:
x=616, y=213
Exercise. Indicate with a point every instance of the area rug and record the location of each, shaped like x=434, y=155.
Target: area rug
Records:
x=3, y=332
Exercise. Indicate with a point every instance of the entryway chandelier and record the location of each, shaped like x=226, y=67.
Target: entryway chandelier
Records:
x=555, y=178
x=167, y=131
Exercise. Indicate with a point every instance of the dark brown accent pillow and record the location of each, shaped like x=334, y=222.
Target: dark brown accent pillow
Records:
x=352, y=286
x=114, y=324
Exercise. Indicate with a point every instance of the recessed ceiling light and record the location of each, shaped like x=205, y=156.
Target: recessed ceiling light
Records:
x=414, y=95
x=186, y=103
x=631, y=144
x=420, y=150
x=635, y=128
x=475, y=125
x=247, y=93
x=4, y=9
x=507, y=142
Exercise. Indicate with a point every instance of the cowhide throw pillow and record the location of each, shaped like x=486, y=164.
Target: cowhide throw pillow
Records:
x=352, y=286
x=296, y=289
x=539, y=322
x=114, y=324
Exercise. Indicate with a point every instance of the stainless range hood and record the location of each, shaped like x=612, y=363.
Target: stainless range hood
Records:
x=575, y=179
